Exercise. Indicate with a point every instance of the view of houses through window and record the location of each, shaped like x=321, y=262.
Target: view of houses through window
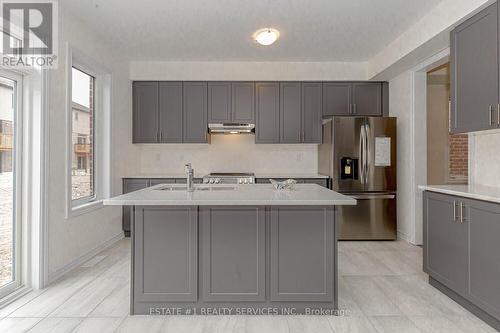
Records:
x=82, y=138
x=6, y=181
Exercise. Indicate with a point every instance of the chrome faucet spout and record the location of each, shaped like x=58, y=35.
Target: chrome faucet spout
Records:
x=189, y=177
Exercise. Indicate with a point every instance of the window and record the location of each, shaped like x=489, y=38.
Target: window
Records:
x=88, y=134
x=82, y=98
x=10, y=182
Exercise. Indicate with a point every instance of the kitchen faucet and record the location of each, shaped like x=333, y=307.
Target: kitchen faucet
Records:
x=189, y=177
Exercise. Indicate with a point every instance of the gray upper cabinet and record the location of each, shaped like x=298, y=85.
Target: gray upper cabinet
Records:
x=484, y=248
x=145, y=112
x=243, y=102
x=231, y=102
x=170, y=112
x=336, y=99
x=290, y=112
x=367, y=99
x=445, y=241
x=267, y=112
x=172, y=241
x=195, y=112
x=352, y=99
x=219, y=102
x=312, y=99
x=474, y=73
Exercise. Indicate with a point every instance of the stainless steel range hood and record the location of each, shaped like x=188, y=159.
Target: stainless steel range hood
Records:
x=231, y=128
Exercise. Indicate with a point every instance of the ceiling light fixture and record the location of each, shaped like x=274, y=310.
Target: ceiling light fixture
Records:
x=266, y=36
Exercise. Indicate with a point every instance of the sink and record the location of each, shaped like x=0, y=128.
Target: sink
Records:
x=196, y=188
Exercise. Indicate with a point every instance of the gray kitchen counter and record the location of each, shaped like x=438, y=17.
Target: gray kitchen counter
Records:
x=478, y=192
x=232, y=195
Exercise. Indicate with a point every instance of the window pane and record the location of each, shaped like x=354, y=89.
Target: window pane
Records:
x=7, y=224
x=82, y=175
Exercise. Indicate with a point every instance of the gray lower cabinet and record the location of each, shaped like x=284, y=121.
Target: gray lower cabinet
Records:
x=474, y=73
x=484, y=254
x=130, y=185
x=165, y=254
x=233, y=253
x=145, y=112
x=267, y=112
x=241, y=257
x=320, y=181
x=195, y=112
x=311, y=244
x=461, y=250
x=445, y=242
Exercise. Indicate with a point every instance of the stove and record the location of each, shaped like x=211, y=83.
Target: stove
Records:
x=229, y=178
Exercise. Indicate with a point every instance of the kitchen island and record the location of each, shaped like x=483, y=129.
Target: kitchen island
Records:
x=228, y=249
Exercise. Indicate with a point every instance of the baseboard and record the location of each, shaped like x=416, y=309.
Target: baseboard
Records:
x=403, y=236
x=83, y=258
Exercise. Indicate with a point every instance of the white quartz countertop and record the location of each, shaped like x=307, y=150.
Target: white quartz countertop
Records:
x=478, y=192
x=244, y=195
x=257, y=175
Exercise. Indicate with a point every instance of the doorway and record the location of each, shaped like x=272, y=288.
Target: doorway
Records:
x=447, y=154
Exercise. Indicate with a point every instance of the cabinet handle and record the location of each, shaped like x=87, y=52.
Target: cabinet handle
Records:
x=349, y=109
x=161, y=136
x=462, y=213
x=354, y=109
x=490, y=111
x=498, y=114
x=454, y=210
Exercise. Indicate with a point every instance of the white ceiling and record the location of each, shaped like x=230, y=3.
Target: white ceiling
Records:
x=220, y=30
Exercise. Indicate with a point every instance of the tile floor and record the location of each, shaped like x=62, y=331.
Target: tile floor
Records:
x=381, y=286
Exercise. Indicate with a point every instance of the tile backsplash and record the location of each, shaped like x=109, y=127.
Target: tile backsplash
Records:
x=485, y=161
x=235, y=153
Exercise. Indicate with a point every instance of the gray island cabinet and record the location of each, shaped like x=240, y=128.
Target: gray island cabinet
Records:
x=248, y=249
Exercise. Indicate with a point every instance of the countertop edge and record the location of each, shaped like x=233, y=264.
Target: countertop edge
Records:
x=461, y=193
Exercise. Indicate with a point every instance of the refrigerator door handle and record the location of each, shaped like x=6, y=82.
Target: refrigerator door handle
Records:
x=367, y=152
x=361, y=154
x=371, y=196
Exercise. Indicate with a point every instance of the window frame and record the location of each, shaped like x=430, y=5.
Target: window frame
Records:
x=18, y=257
x=102, y=129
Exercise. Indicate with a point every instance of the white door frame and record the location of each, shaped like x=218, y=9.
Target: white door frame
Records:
x=418, y=119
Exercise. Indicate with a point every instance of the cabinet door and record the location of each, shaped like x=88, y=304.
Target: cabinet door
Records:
x=445, y=241
x=130, y=185
x=336, y=99
x=219, y=102
x=474, y=72
x=195, y=112
x=267, y=112
x=170, y=114
x=312, y=102
x=233, y=251
x=243, y=100
x=166, y=237
x=484, y=249
x=145, y=112
x=290, y=112
x=302, y=235
x=367, y=99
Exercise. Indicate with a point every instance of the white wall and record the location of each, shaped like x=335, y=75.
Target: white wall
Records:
x=250, y=71
x=236, y=153
x=70, y=239
x=400, y=106
x=485, y=163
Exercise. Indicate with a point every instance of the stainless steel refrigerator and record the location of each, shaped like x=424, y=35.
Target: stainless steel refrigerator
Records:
x=359, y=154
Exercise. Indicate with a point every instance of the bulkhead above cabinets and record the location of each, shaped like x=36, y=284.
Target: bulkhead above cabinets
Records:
x=281, y=112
